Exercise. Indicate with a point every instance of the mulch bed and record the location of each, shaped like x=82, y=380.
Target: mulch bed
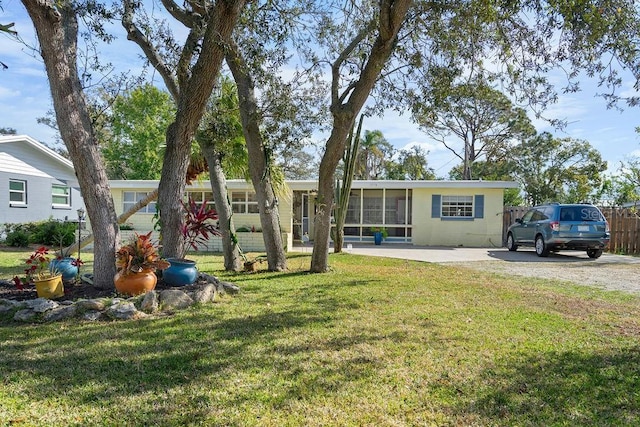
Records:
x=72, y=292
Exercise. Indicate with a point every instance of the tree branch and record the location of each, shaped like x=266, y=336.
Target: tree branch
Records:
x=152, y=55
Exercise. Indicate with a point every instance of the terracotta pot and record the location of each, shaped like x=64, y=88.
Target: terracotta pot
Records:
x=50, y=288
x=135, y=283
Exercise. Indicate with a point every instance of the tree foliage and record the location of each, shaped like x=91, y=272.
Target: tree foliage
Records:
x=625, y=186
x=479, y=116
x=558, y=169
x=138, y=123
x=410, y=164
x=373, y=156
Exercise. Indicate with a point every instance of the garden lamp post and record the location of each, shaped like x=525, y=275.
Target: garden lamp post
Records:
x=80, y=218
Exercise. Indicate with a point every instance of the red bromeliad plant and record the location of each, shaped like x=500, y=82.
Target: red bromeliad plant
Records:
x=198, y=226
x=140, y=254
x=38, y=268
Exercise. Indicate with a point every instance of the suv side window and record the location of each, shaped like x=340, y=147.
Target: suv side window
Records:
x=550, y=212
x=528, y=215
x=539, y=215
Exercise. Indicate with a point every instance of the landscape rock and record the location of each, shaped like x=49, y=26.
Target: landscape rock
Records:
x=8, y=305
x=173, y=299
x=124, y=311
x=40, y=305
x=24, y=315
x=229, y=288
x=150, y=303
x=208, y=278
x=62, y=312
x=92, y=315
x=91, y=304
x=207, y=290
x=205, y=294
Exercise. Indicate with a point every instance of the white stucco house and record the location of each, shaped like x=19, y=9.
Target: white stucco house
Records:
x=431, y=213
x=37, y=183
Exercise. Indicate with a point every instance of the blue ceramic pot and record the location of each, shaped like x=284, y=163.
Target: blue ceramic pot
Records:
x=182, y=272
x=65, y=267
x=377, y=237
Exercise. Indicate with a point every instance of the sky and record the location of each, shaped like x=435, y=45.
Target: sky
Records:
x=25, y=96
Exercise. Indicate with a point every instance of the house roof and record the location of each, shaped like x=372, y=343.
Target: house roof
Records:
x=5, y=139
x=10, y=164
x=302, y=185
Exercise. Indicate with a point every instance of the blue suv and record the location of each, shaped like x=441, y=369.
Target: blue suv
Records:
x=553, y=227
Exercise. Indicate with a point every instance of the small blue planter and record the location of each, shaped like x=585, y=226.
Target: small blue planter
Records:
x=182, y=272
x=377, y=237
x=65, y=267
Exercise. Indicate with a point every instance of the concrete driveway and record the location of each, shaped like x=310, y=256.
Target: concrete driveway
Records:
x=611, y=272
x=446, y=254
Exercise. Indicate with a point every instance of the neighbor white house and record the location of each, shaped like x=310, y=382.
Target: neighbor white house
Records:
x=37, y=182
x=430, y=213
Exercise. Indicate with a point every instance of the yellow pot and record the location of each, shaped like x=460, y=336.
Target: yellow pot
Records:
x=50, y=288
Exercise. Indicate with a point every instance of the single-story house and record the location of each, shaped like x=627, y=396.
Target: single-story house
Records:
x=38, y=182
x=432, y=213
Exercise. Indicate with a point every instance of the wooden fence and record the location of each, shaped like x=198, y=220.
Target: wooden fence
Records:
x=623, y=223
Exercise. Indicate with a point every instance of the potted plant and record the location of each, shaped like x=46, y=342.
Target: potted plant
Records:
x=137, y=262
x=199, y=225
x=379, y=234
x=47, y=278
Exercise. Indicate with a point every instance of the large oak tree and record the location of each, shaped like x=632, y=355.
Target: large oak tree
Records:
x=56, y=25
x=190, y=70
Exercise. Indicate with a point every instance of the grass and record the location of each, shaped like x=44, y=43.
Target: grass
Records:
x=376, y=342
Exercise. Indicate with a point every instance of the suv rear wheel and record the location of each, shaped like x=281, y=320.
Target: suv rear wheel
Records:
x=541, y=247
x=594, y=253
x=511, y=245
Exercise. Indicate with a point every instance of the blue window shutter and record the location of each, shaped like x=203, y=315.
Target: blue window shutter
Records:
x=479, y=206
x=435, y=205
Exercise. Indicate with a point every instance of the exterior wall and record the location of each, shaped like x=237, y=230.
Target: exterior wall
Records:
x=41, y=160
x=39, y=206
x=40, y=168
x=473, y=232
x=425, y=230
x=249, y=242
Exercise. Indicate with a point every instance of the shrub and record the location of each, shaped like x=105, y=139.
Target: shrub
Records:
x=54, y=233
x=17, y=238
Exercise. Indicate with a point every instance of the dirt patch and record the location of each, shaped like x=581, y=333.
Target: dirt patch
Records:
x=623, y=276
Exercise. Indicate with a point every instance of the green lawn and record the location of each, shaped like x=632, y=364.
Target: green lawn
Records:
x=376, y=342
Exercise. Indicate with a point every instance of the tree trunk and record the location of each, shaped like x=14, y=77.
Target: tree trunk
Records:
x=191, y=104
x=326, y=190
x=230, y=250
x=344, y=108
x=57, y=31
x=258, y=163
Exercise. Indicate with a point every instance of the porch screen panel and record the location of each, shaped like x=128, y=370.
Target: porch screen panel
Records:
x=395, y=207
x=353, y=209
x=372, y=207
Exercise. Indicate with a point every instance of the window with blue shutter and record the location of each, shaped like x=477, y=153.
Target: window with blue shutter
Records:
x=435, y=205
x=478, y=206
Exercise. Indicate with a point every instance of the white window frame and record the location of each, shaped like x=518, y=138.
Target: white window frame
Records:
x=67, y=195
x=200, y=198
x=244, y=202
x=460, y=206
x=22, y=192
x=138, y=195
